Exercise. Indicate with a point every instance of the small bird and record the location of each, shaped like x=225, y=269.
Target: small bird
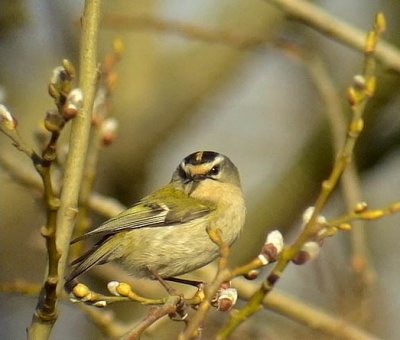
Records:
x=166, y=232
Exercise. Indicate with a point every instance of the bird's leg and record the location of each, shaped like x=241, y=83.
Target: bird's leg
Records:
x=198, y=297
x=181, y=306
x=167, y=287
x=198, y=284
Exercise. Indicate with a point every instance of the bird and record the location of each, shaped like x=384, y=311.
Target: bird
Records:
x=164, y=235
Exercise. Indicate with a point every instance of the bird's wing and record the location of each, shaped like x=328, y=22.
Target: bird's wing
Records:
x=177, y=208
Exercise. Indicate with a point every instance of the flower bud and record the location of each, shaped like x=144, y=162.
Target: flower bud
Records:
x=73, y=103
x=7, y=120
x=359, y=82
x=80, y=290
x=344, y=226
x=69, y=68
x=100, y=304
x=275, y=238
x=371, y=86
x=53, y=122
x=99, y=106
x=380, y=22
x=309, y=251
x=124, y=289
x=112, y=287
x=227, y=299
x=371, y=42
x=308, y=214
x=53, y=91
x=57, y=75
x=272, y=247
x=360, y=207
x=118, y=47
x=108, y=131
x=252, y=274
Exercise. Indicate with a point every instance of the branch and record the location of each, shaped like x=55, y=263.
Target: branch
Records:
x=358, y=95
x=228, y=37
x=360, y=259
x=301, y=10
x=40, y=329
x=103, y=205
x=334, y=28
x=155, y=313
x=305, y=313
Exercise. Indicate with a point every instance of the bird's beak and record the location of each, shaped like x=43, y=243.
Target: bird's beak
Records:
x=197, y=177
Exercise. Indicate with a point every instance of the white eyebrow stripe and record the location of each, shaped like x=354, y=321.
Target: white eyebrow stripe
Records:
x=218, y=159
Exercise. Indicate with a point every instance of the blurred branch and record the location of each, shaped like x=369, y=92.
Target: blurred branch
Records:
x=20, y=287
x=304, y=313
x=21, y=174
x=181, y=100
x=301, y=10
x=103, y=319
x=104, y=205
x=154, y=314
x=227, y=37
x=332, y=27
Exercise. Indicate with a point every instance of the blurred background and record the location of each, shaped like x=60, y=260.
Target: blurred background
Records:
x=178, y=92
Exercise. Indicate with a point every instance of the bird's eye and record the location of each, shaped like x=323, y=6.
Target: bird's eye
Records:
x=214, y=170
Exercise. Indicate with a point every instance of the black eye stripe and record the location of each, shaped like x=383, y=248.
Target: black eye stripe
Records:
x=182, y=172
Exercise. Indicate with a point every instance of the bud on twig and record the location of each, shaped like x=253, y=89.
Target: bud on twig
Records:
x=57, y=76
x=252, y=274
x=112, y=287
x=119, y=288
x=7, y=120
x=360, y=207
x=100, y=304
x=272, y=247
x=73, y=103
x=227, y=299
x=53, y=122
x=69, y=68
x=99, y=106
x=309, y=251
x=359, y=82
x=307, y=216
x=108, y=131
x=80, y=290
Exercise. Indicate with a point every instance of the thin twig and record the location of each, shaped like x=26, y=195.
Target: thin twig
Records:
x=364, y=271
